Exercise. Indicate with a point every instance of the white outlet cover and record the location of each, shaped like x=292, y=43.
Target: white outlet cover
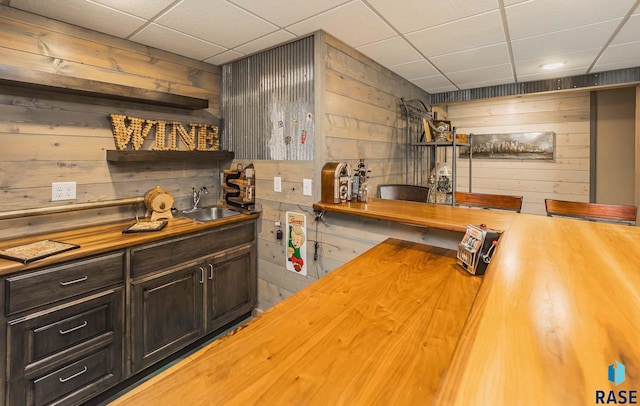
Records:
x=277, y=184
x=63, y=191
x=306, y=187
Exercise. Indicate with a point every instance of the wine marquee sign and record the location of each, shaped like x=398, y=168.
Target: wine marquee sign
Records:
x=133, y=131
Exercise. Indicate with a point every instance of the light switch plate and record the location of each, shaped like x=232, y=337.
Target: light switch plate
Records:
x=277, y=184
x=306, y=187
x=63, y=191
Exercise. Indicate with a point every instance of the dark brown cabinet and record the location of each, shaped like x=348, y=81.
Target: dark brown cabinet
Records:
x=211, y=281
x=73, y=330
x=166, y=313
x=65, y=351
x=231, y=285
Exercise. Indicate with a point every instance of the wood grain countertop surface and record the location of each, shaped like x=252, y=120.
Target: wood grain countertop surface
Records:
x=106, y=237
x=420, y=214
x=381, y=329
x=560, y=303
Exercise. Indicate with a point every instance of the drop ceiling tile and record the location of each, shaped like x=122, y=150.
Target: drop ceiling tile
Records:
x=563, y=73
x=494, y=82
x=497, y=54
x=630, y=32
x=215, y=21
x=287, y=12
x=265, y=42
x=414, y=70
x=615, y=66
x=140, y=8
x=620, y=55
x=84, y=14
x=353, y=23
x=538, y=17
x=430, y=82
x=475, y=32
x=572, y=61
x=161, y=37
x=562, y=42
x=412, y=15
x=224, y=57
x=392, y=51
x=447, y=88
x=501, y=73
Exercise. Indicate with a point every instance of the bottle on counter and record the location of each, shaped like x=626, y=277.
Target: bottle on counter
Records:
x=365, y=191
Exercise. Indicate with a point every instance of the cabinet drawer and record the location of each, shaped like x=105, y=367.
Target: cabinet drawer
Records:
x=161, y=255
x=41, y=339
x=70, y=331
x=71, y=378
x=48, y=285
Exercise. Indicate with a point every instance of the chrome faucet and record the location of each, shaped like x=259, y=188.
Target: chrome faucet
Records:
x=196, y=195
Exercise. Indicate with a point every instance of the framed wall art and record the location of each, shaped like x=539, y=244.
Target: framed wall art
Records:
x=524, y=146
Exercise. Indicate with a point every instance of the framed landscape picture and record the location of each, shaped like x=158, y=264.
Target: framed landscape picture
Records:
x=527, y=146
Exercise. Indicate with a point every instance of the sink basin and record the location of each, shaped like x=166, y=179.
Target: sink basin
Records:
x=204, y=214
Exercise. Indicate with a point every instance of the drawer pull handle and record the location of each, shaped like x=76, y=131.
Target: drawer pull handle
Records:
x=62, y=380
x=67, y=283
x=83, y=325
x=201, y=275
x=210, y=271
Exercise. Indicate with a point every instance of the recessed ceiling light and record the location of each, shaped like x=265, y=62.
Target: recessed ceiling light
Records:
x=555, y=65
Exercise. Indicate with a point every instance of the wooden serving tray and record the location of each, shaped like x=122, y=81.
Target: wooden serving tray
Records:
x=36, y=250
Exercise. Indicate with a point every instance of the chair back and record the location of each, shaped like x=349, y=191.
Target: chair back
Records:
x=403, y=192
x=613, y=213
x=489, y=201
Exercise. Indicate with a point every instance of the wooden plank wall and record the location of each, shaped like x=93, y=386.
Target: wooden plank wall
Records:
x=48, y=137
x=565, y=113
x=357, y=116
x=362, y=112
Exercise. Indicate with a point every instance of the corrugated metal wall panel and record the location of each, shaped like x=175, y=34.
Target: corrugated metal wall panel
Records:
x=614, y=77
x=267, y=104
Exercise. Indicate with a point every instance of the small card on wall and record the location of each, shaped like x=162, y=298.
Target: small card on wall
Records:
x=296, y=252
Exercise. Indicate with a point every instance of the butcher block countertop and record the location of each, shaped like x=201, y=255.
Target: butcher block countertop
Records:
x=402, y=324
x=379, y=330
x=106, y=237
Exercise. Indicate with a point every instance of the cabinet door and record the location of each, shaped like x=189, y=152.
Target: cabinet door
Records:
x=231, y=285
x=166, y=313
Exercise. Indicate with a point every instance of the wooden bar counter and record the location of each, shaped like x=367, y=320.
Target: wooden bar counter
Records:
x=379, y=330
x=560, y=302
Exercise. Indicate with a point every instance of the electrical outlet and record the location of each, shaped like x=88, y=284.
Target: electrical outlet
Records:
x=63, y=191
x=306, y=187
x=277, y=184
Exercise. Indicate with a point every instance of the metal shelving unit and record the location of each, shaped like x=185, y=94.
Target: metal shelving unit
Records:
x=421, y=156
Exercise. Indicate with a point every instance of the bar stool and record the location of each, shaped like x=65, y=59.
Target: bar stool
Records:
x=612, y=213
x=489, y=201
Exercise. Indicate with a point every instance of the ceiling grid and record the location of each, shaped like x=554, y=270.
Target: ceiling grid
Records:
x=439, y=45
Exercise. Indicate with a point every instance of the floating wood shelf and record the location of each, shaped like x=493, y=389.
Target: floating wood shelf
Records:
x=32, y=79
x=142, y=156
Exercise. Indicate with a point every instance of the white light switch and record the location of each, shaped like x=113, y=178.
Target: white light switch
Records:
x=306, y=187
x=277, y=184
